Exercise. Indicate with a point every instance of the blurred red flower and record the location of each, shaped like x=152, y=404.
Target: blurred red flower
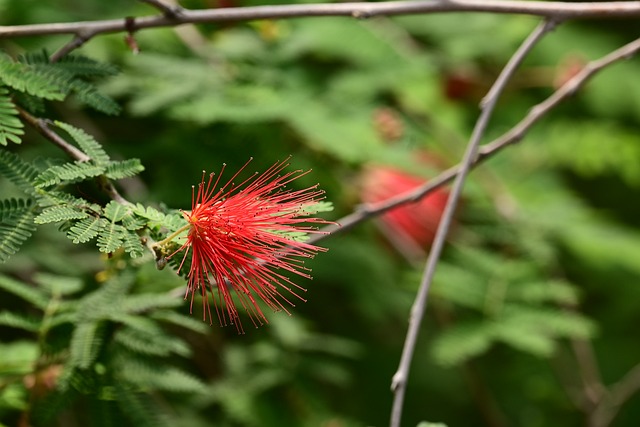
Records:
x=242, y=238
x=411, y=228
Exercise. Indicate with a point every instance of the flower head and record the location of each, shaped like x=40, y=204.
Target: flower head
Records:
x=415, y=224
x=242, y=238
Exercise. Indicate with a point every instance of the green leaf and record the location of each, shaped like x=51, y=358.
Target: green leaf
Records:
x=317, y=208
x=132, y=222
x=137, y=407
x=86, y=229
x=55, y=198
x=462, y=342
x=25, y=291
x=159, y=376
x=11, y=208
x=87, y=143
x=526, y=338
x=74, y=64
x=14, y=232
x=111, y=237
x=59, y=213
x=19, y=172
x=554, y=322
x=86, y=342
x=547, y=291
x=59, y=285
x=133, y=245
x=150, y=302
x=17, y=358
x=10, y=126
x=124, y=169
x=65, y=76
x=25, y=78
x=19, y=321
x=148, y=212
x=156, y=343
x=68, y=173
x=115, y=211
x=181, y=320
x=88, y=94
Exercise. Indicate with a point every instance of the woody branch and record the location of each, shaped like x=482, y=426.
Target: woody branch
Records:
x=172, y=16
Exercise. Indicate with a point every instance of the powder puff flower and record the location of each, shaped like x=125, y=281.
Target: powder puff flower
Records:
x=244, y=238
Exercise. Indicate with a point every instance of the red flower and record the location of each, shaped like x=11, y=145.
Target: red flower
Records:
x=415, y=223
x=241, y=239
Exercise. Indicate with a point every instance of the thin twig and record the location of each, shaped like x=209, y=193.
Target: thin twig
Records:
x=43, y=128
x=559, y=10
x=399, y=381
x=80, y=38
x=592, y=387
x=514, y=135
x=169, y=10
x=619, y=393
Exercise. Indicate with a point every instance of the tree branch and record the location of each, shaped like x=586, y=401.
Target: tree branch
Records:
x=43, y=128
x=556, y=10
x=514, y=135
x=618, y=394
x=169, y=10
x=399, y=381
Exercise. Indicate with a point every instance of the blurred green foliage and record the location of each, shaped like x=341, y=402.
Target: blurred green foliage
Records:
x=544, y=260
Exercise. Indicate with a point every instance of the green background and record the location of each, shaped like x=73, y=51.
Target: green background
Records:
x=538, y=288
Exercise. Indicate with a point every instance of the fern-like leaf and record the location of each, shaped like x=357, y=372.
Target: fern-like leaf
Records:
x=24, y=78
x=75, y=64
x=68, y=173
x=462, y=342
x=10, y=125
x=148, y=212
x=86, y=142
x=66, y=74
x=59, y=213
x=88, y=94
x=183, y=321
x=19, y=172
x=86, y=342
x=54, y=81
x=174, y=221
x=28, y=293
x=124, y=169
x=141, y=372
x=33, y=104
x=115, y=211
x=14, y=232
x=111, y=237
x=137, y=407
x=133, y=222
x=54, y=198
x=132, y=245
x=157, y=343
x=85, y=229
x=58, y=285
x=19, y=321
x=147, y=303
x=10, y=208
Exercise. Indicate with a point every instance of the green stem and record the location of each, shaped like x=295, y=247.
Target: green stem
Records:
x=171, y=236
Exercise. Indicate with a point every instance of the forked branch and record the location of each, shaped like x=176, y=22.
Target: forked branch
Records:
x=514, y=135
x=173, y=16
x=399, y=381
